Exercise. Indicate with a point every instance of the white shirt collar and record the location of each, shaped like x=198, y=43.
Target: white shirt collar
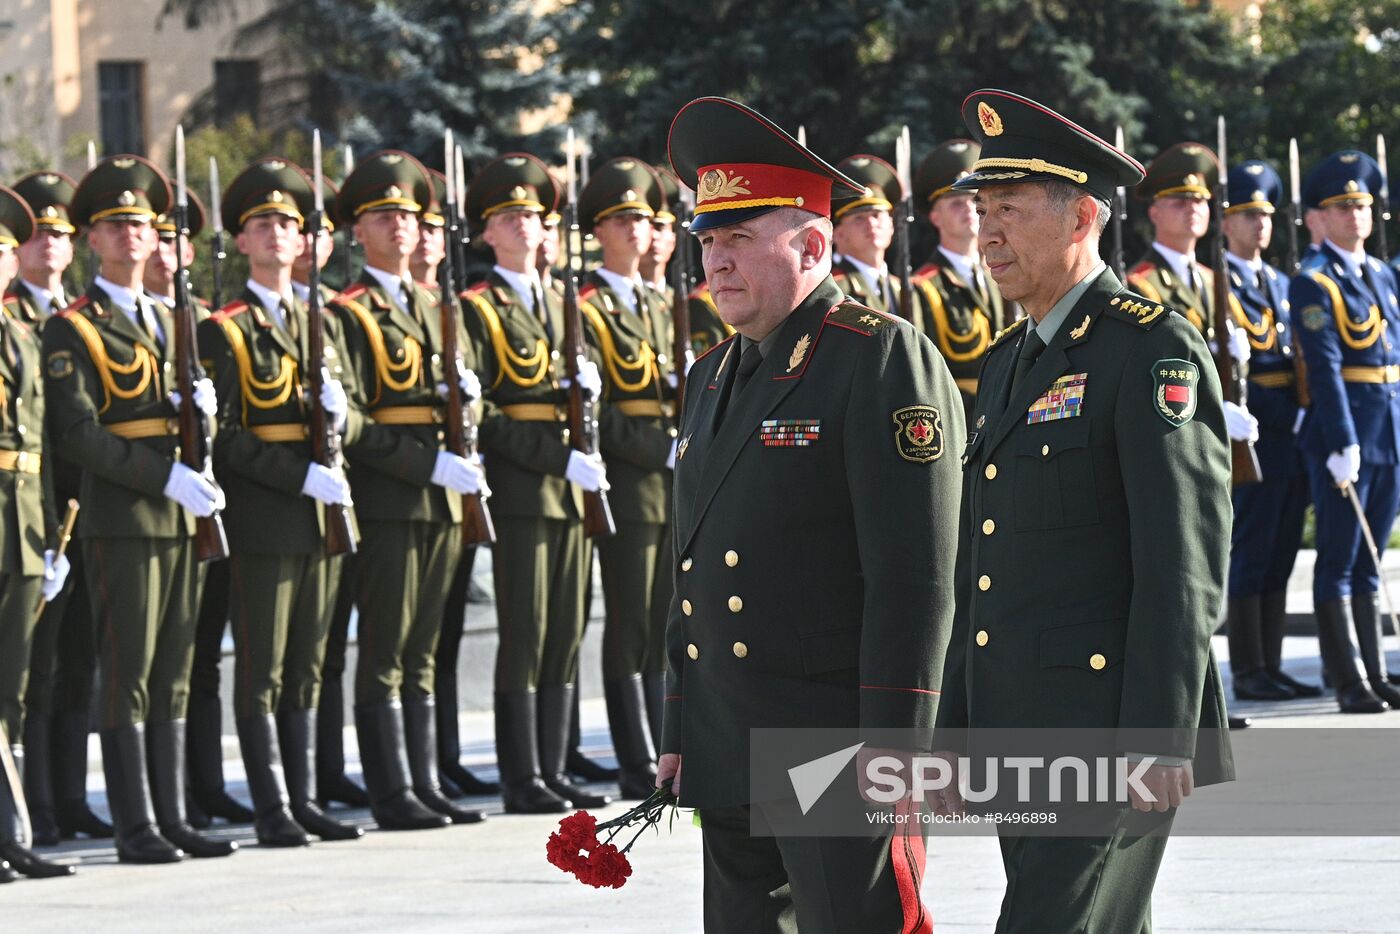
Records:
x=961, y=265
x=392, y=284
x=121, y=296
x=626, y=289
x=523, y=284
x=1181, y=263
x=869, y=273
x=271, y=301
x=44, y=297
x=301, y=291
x=1356, y=262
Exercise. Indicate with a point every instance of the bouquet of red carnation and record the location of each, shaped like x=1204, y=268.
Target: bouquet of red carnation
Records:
x=575, y=847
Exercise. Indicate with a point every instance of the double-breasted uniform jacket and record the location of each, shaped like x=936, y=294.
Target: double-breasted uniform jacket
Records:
x=263, y=449
x=814, y=536
x=1347, y=322
x=524, y=423
x=395, y=366
x=853, y=282
x=1155, y=279
x=1261, y=309
x=1095, y=534
x=26, y=479
x=110, y=414
x=960, y=320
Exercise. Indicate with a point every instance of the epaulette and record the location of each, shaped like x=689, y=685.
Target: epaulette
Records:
x=926, y=271
x=589, y=290
x=701, y=291
x=853, y=316
x=1142, y=268
x=1130, y=306
x=477, y=289
x=78, y=305
x=354, y=292
x=1007, y=331
x=233, y=308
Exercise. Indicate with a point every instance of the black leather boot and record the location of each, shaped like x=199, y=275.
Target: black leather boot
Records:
x=631, y=732
x=129, y=797
x=1341, y=660
x=420, y=736
x=205, y=761
x=332, y=784
x=165, y=757
x=70, y=766
x=449, y=747
x=1366, y=613
x=262, y=758
x=654, y=689
x=517, y=754
x=1273, y=607
x=555, y=705
x=14, y=829
x=579, y=765
x=1245, y=630
x=296, y=729
x=384, y=757
x=38, y=779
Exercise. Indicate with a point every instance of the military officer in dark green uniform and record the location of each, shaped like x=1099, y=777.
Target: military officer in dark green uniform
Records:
x=30, y=566
x=282, y=582
x=540, y=559
x=46, y=256
x=110, y=368
x=816, y=489
x=864, y=230
x=1096, y=482
x=407, y=489
x=960, y=306
x=629, y=326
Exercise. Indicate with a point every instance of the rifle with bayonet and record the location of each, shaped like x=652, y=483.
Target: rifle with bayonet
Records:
x=325, y=439
x=903, y=220
x=1120, y=217
x=196, y=430
x=583, y=408
x=217, y=214
x=680, y=294
x=1382, y=202
x=1234, y=376
x=460, y=425
x=1295, y=263
x=349, y=259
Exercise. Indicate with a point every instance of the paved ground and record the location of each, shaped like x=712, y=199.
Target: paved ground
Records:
x=494, y=877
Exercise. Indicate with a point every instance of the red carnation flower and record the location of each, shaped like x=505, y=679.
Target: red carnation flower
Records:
x=575, y=847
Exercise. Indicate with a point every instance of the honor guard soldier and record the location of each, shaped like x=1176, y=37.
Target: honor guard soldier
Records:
x=160, y=269
x=663, y=237
x=63, y=657
x=864, y=231
x=31, y=568
x=1347, y=313
x=432, y=234
x=960, y=306
x=407, y=490
x=1095, y=482
x=1268, y=525
x=325, y=247
x=540, y=561
x=257, y=348
x=630, y=329
x=110, y=369
x=815, y=492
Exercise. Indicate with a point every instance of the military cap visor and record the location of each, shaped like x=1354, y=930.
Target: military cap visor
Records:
x=16, y=220
x=1023, y=141
x=48, y=195
x=194, y=219
x=882, y=187
x=1344, y=177
x=946, y=164
x=742, y=165
x=619, y=187
x=1253, y=186
x=433, y=212
x=268, y=186
x=389, y=180
x=516, y=181
x=121, y=188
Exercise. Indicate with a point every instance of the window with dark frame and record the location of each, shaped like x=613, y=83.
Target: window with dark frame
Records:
x=237, y=83
x=121, y=90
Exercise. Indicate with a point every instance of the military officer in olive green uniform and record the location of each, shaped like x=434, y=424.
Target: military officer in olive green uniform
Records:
x=30, y=566
x=283, y=581
x=864, y=231
x=816, y=489
x=408, y=492
x=1096, y=485
x=960, y=306
x=110, y=368
x=541, y=558
x=629, y=325
x=64, y=656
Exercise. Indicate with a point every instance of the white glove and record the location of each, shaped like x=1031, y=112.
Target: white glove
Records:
x=326, y=485
x=55, y=574
x=1345, y=465
x=1239, y=424
x=588, y=378
x=468, y=380
x=672, y=380
x=196, y=492
x=587, y=471
x=1239, y=345
x=204, y=398
x=459, y=474
x=333, y=400
x=671, y=458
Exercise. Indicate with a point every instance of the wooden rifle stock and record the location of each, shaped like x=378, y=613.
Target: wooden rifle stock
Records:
x=583, y=408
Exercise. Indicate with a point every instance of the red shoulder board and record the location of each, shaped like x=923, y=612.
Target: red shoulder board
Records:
x=355, y=291
x=233, y=308
x=477, y=289
x=927, y=271
x=854, y=316
x=1142, y=268
x=74, y=308
x=588, y=291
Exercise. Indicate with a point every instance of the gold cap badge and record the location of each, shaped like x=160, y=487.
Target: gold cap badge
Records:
x=990, y=119
x=126, y=199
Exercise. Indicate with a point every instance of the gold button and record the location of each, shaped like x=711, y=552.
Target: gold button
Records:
x=731, y=558
x=988, y=527
x=991, y=472
x=686, y=608
x=686, y=564
x=982, y=637
x=735, y=604
x=1097, y=662
x=984, y=583
x=692, y=651
x=1044, y=450
x=740, y=650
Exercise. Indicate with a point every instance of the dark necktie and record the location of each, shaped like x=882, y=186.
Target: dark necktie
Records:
x=148, y=322
x=749, y=361
x=1031, y=346
x=542, y=311
x=289, y=319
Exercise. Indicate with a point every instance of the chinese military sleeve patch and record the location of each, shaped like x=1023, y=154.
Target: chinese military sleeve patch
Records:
x=918, y=434
x=1175, y=390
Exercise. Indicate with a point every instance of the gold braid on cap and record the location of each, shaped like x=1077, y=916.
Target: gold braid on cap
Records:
x=1033, y=165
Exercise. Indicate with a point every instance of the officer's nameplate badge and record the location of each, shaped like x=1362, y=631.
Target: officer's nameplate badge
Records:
x=790, y=432
x=1064, y=399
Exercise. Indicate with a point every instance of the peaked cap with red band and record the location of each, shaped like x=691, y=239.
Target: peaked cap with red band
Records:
x=742, y=165
x=1023, y=141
